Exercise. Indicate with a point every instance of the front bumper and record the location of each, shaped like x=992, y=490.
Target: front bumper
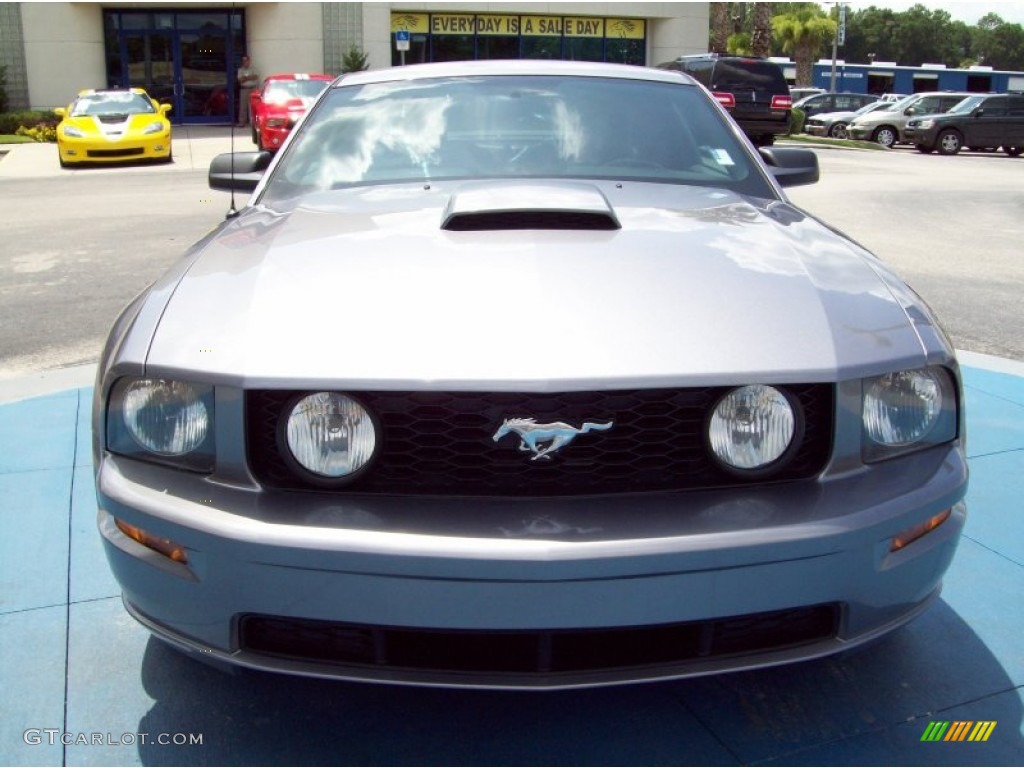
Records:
x=815, y=130
x=338, y=573
x=273, y=137
x=920, y=137
x=99, y=150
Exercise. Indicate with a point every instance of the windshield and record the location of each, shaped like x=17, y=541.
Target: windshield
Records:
x=515, y=127
x=967, y=105
x=116, y=103
x=878, y=106
x=281, y=91
x=907, y=101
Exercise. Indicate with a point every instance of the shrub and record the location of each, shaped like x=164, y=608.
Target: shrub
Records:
x=10, y=122
x=42, y=132
x=355, y=60
x=796, y=121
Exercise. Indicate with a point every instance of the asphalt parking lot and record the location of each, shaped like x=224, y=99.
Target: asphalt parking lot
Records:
x=84, y=682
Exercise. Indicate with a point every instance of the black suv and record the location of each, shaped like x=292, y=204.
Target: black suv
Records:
x=752, y=89
x=985, y=121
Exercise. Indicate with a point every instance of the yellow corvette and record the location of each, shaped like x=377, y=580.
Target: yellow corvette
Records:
x=113, y=126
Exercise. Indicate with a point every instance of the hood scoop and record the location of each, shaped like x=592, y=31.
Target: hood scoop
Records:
x=500, y=205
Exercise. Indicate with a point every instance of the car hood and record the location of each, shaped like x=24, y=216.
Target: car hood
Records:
x=113, y=127
x=366, y=287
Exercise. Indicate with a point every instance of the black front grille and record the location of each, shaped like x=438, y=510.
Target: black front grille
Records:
x=536, y=652
x=442, y=442
x=132, y=152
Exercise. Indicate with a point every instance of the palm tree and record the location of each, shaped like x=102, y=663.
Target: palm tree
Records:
x=721, y=27
x=802, y=34
x=761, y=40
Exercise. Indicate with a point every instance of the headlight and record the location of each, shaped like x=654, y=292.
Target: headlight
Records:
x=165, y=417
x=162, y=420
x=908, y=410
x=152, y=128
x=73, y=133
x=330, y=435
x=924, y=124
x=752, y=427
x=277, y=122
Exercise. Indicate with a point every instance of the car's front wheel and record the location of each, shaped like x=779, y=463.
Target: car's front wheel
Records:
x=1013, y=151
x=838, y=131
x=255, y=134
x=885, y=135
x=949, y=142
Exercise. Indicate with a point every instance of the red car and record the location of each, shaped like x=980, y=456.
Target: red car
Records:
x=279, y=104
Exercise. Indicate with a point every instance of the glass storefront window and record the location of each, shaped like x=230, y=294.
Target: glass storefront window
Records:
x=452, y=48
x=542, y=47
x=466, y=36
x=625, y=52
x=497, y=48
x=584, y=49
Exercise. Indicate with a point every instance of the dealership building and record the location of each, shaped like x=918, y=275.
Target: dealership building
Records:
x=187, y=53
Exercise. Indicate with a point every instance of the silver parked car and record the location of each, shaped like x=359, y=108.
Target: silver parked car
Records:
x=525, y=375
x=886, y=128
x=833, y=124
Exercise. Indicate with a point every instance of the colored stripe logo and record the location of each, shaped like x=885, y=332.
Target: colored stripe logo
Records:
x=959, y=730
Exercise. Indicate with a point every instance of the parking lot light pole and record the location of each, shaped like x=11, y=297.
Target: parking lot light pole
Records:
x=839, y=37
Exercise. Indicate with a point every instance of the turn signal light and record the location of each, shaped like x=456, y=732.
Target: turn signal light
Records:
x=165, y=547
x=903, y=538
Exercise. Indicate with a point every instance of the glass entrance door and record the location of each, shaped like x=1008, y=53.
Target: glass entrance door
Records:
x=149, y=64
x=184, y=58
x=203, y=81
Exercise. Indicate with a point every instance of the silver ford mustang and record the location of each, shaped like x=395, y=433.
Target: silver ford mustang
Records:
x=525, y=375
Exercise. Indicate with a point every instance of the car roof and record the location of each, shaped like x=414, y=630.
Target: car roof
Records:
x=514, y=67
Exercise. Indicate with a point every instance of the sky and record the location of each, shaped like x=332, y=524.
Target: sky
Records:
x=968, y=12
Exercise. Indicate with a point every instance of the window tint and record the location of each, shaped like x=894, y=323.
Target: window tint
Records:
x=112, y=103
x=994, y=107
x=700, y=71
x=748, y=74
x=280, y=91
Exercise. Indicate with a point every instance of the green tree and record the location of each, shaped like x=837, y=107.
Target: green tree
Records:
x=354, y=60
x=803, y=34
x=761, y=37
x=998, y=44
x=721, y=27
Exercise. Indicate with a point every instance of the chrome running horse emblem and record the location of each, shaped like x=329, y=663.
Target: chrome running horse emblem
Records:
x=544, y=439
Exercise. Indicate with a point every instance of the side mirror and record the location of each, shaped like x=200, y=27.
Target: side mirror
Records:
x=60, y=112
x=791, y=167
x=979, y=112
x=910, y=111
x=238, y=171
x=165, y=108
